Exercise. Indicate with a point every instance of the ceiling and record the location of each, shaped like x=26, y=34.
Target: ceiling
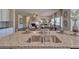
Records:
x=40, y=12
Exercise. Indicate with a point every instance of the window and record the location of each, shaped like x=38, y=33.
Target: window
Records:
x=77, y=22
x=57, y=20
x=52, y=21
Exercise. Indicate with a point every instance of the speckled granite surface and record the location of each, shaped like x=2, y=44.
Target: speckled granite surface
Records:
x=19, y=40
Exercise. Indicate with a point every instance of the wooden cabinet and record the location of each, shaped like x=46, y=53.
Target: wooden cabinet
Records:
x=4, y=15
x=0, y=14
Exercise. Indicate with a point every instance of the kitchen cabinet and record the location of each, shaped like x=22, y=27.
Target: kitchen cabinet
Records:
x=6, y=32
x=5, y=15
x=0, y=14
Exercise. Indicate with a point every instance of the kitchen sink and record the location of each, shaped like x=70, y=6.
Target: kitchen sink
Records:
x=43, y=39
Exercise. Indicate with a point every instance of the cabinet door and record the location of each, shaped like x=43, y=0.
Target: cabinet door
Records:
x=0, y=14
x=5, y=15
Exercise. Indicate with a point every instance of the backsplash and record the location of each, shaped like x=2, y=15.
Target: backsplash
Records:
x=5, y=24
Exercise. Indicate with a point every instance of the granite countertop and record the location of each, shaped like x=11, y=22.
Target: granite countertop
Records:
x=4, y=27
x=19, y=39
